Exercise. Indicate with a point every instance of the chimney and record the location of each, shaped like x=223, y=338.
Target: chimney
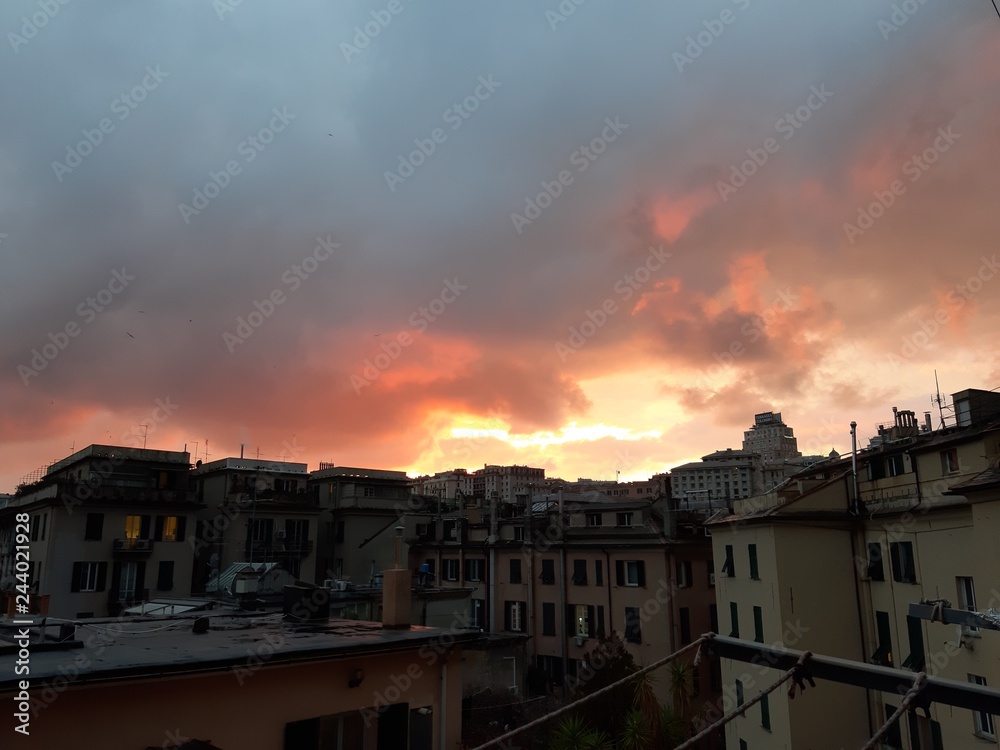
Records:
x=927, y=422
x=396, y=591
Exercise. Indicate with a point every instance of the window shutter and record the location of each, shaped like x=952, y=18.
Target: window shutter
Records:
x=620, y=572
x=102, y=575
x=524, y=617
x=909, y=564
x=468, y=570
x=144, y=528
x=599, y=630
x=641, y=570
x=897, y=570
x=158, y=533
x=570, y=620
x=116, y=581
x=140, y=579
x=936, y=741
x=181, y=527
x=591, y=624
x=165, y=578
x=77, y=575
x=506, y=616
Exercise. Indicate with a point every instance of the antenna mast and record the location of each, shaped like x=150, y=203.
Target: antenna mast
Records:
x=937, y=399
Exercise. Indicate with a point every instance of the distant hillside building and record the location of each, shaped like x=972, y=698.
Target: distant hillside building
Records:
x=721, y=476
x=771, y=438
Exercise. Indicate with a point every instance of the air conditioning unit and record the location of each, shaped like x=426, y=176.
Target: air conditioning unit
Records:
x=328, y=583
x=280, y=534
x=711, y=579
x=579, y=640
x=512, y=689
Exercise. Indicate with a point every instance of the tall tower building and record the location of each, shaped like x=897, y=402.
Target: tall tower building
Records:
x=771, y=438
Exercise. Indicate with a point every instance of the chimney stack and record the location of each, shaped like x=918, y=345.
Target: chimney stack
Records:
x=396, y=591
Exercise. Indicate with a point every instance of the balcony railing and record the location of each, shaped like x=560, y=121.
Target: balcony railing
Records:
x=132, y=545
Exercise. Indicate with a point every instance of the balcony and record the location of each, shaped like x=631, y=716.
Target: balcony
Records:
x=294, y=547
x=136, y=547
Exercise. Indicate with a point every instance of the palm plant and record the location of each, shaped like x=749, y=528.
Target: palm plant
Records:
x=572, y=733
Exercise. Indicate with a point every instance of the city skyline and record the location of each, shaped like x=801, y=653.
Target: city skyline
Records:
x=318, y=235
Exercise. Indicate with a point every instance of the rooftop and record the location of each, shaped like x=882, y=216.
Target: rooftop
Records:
x=109, y=649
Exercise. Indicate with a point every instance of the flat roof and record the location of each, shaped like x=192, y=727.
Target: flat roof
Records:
x=113, y=650
x=252, y=464
x=122, y=452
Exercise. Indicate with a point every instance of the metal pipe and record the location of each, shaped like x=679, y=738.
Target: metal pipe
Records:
x=854, y=467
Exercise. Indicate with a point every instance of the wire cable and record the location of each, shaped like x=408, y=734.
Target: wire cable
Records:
x=741, y=709
x=911, y=695
x=586, y=699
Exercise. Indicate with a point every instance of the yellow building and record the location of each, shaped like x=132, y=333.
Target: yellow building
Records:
x=810, y=568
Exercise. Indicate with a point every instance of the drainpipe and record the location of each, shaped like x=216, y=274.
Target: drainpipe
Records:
x=443, y=727
x=861, y=613
x=608, y=573
x=492, y=586
x=854, y=468
x=564, y=651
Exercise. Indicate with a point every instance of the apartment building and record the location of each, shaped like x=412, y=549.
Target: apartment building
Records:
x=108, y=530
x=569, y=574
x=361, y=508
x=770, y=438
x=852, y=565
x=717, y=479
x=255, y=511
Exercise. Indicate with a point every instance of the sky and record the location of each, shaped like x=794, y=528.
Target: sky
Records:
x=589, y=236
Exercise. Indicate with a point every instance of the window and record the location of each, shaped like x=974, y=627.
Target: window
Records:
x=89, y=576
x=739, y=695
x=583, y=616
x=876, y=469
x=262, y=531
x=743, y=745
x=876, y=570
x=548, y=571
x=513, y=616
x=475, y=570
x=685, y=618
x=518, y=533
x=903, y=564
x=450, y=569
x=169, y=529
x=924, y=733
x=95, y=527
x=34, y=528
x=623, y=519
x=598, y=573
x=339, y=537
x=599, y=623
x=915, y=633
x=165, y=576
x=894, y=465
x=758, y=624
x=684, y=574
x=515, y=570
x=727, y=567
x=133, y=527
x=883, y=633
x=713, y=617
x=765, y=713
x=752, y=551
x=580, y=572
x=593, y=519
x=548, y=618
x=633, y=626
x=630, y=572
x=967, y=601
x=711, y=572
x=949, y=461
x=296, y=529
x=734, y=616
x=477, y=613
x=983, y=720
